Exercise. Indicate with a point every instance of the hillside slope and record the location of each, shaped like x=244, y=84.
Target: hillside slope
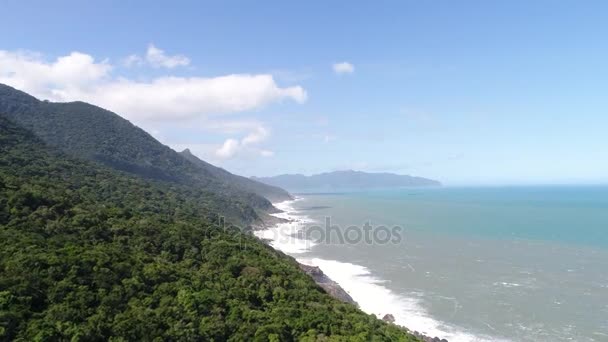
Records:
x=88, y=253
x=272, y=193
x=93, y=133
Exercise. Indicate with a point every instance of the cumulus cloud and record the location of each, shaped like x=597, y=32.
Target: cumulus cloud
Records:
x=247, y=145
x=132, y=60
x=158, y=58
x=257, y=136
x=245, y=140
x=27, y=71
x=78, y=76
x=343, y=68
x=228, y=149
x=155, y=101
x=186, y=97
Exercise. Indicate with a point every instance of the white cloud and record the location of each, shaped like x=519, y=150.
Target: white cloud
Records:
x=257, y=136
x=343, y=68
x=229, y=152
x=157, y=58
x=187, y=97
x=232, y=148
x=245, y=140
x=247, y=145
x=26, y=71
x=156, y=101
x=78, y=76
x=132, y=60
x=228, y=149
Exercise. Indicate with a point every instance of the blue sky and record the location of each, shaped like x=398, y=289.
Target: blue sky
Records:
x=467, y=92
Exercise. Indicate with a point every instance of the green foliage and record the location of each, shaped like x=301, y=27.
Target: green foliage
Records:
x=93, y=133
x=91, y=254
x=270, y=192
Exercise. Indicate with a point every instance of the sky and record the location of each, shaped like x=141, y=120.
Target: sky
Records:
x=465, y=92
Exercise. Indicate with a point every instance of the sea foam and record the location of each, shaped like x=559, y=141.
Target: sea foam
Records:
x=375, y=298
x=288, y=236
x=366, y=289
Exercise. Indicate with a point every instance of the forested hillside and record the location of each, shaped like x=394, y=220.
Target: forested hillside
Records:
x=90, y=132
x=92, y=254
x=270, y=192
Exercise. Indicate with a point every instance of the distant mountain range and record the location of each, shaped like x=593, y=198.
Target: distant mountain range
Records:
x=345, y=180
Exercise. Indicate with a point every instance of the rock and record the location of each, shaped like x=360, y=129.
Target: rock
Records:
x=331, y=287
x=426, y=338
x=389, y=318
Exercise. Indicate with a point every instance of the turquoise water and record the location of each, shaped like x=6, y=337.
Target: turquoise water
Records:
x=570, y=215
x=513, y=263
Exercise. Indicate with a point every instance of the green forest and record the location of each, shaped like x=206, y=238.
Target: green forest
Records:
x=89, y=132
x=91, y=253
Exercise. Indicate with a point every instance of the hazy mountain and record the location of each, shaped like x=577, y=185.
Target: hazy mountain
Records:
x=93, y=133
x=345, y=180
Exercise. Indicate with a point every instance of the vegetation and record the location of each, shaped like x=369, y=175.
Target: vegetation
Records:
x=270, y=192
x=88, y=253
x=93, y=133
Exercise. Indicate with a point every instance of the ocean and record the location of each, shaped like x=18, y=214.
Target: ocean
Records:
x=465, y=264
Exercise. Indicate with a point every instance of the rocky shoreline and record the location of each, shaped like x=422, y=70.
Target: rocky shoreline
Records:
x=330, y=286
x=268, y=220
x=335, y=290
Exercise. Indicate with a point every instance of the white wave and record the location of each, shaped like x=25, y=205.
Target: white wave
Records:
x=364, y=288
x=374, y=298
x=506, y=284
x=288, y=237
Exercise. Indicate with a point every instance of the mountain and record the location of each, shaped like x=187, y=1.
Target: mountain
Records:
x=272, y=193
x=91, y=253
x=345, y=180
x=86, y=131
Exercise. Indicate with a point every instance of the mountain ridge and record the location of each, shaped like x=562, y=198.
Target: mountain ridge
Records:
x=272, y=193
x=90, y=253
x=93, y=133
x=345, y=180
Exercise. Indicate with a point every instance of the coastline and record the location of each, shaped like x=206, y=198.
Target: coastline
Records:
x=476, y=265
x=330, y=286
x=352, y=283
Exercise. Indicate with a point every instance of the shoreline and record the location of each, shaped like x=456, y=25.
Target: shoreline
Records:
x=467, y=274
x=284, y=236
x=330, y=286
